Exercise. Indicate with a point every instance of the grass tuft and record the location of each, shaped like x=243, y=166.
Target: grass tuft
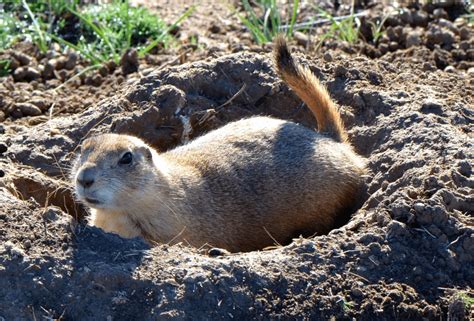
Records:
x=346, y=29
x=98, y=32
x=265, y=22
x=376, y=28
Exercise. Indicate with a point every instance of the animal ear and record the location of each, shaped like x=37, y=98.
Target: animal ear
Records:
x=145, y=150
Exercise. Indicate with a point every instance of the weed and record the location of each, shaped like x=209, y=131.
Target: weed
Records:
x=266, y=22
x=467, y=299
x=42, y=45
x=376, y=28
x=98, y=33
x=346, y=29
x=4, y=67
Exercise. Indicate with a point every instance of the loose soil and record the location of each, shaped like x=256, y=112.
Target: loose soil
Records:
x=406, y=254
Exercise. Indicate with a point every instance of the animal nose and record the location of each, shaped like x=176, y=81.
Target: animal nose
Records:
x=86, y=177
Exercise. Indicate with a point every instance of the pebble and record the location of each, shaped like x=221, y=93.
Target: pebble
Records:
x=448, y=25
x=215, y=28
x=437, y=35
x=3, y=148
x=465, y=33
x=103, y=71
x=419, y=207
x=413, y=39
x=396, y=229
x=40, y=102
x=327, y=57
x=420, y=18
x=301, y=38
x=427, y=66
x=383, y=47
x=22, y=58
x=28, y=109
x=340, y=71
x=71, y=60
x=129, y=62
x=440, y=13
x=47, y=70
x=26, y=73
x=393, y=46
x=450, y=69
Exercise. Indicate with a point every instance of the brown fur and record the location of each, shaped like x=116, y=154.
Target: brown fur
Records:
x=239, y=187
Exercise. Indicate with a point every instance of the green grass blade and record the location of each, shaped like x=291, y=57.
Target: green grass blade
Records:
x=100, y=32
x=296, y=4
x=94, y=59
x=42, y=43
x=155, y=42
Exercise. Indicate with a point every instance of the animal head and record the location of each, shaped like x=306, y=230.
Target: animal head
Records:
x=111, y=170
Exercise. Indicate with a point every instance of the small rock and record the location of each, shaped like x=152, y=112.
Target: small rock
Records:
x=448, y=25
x=28, y=109
x=470, y=54
x=40, y=102
x=393, y=46
x=26, y=73
x=396, y=229
x=215, y=28
x=56, y=63
x=465, y=168
x=470, y=72
x=61, y=74
x=2, y=118
x=440, y=13
x=357, y=292
x=340, y=71
x=215, y=251
x=47, y=70
x=464, y=45
x=301, y=38
x=406, y=16
x=391, y=34
x=437, y=35
x=111, y=65
x=94, y=80
x=327, y=57
x=3, y=148
x=450, y=69
x=447, y=38
x=419, y=207
x=103, y=71
x=22, y=58
x=431, y=106
x=420, y=18
x=428, y=66
x=413, y=39
x=383, y=47
x=465, y=33
x=71, y=60
x=129, y=62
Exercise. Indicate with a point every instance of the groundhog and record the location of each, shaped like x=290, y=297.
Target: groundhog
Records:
x=250, y=184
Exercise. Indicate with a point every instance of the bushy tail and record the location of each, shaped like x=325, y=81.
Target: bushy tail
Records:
x=310, y=90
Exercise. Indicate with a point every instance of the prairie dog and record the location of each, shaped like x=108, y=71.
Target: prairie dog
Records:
x=240, y=187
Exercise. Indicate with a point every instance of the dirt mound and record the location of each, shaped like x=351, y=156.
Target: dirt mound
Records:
x=406, y=254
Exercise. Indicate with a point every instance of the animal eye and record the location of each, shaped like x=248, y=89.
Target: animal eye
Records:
x=126, y=159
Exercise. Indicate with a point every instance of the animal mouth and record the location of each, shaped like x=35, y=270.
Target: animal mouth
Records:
x=92, y=200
